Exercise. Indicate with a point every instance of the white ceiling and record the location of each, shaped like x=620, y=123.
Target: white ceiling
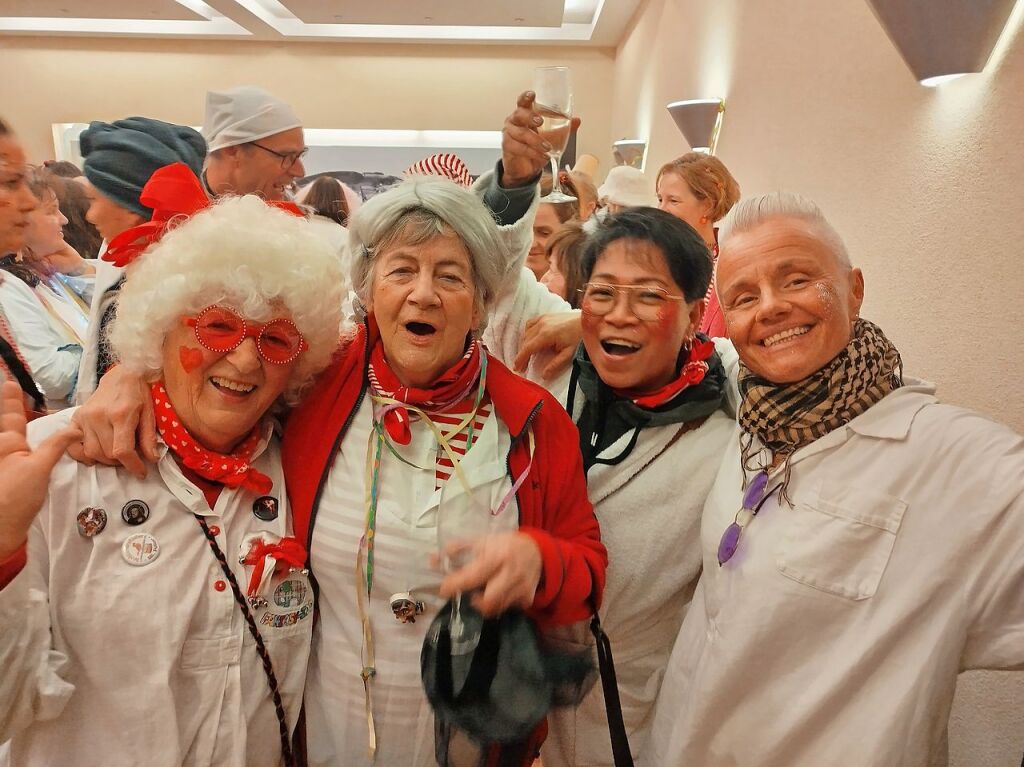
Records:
x=576, y=22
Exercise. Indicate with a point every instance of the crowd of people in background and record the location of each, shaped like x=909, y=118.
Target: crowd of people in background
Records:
x=318, y=480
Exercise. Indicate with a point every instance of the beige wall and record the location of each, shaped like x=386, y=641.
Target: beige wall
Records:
x=330, y=85
x=925, y=185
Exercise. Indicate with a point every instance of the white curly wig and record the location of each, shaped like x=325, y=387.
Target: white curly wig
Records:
x=243, y=253
x=416, y=211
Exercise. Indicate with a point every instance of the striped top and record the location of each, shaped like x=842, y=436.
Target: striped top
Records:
x=407, y=532
x=446, y=424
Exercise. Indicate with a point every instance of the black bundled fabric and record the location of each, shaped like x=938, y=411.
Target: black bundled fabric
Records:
x=495, y=679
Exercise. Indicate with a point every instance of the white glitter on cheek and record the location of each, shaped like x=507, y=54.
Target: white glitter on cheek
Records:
x=827, y=297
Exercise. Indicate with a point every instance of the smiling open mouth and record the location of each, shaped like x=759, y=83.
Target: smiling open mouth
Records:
x=420, y=328
x=785, y=335
x=619, y=348
x=233, y=387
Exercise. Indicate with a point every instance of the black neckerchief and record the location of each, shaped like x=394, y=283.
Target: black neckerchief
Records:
x=606, y=417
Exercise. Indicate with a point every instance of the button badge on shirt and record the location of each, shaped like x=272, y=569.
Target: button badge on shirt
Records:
x=91, y=521
x=135, y=512
x=265, y=508
x=140, y=549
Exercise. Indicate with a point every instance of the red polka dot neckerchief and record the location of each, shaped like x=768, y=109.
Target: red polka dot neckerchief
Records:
x=231, y=470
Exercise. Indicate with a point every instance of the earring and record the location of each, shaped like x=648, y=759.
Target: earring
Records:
x=703, y=219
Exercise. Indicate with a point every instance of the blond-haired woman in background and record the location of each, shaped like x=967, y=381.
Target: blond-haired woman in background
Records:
x=700, y=190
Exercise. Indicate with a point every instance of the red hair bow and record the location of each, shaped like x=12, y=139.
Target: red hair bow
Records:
x=172, y=191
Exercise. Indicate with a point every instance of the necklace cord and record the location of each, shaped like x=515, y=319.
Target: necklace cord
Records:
x=261, y=648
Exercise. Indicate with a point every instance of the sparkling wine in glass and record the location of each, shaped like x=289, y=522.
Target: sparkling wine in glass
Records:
x=553, y=86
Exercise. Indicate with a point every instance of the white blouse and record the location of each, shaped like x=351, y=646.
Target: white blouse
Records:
x=121, y=663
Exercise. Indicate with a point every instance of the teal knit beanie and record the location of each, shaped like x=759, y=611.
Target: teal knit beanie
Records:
x=122, y=155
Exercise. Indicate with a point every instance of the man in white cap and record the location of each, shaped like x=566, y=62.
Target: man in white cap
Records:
x=255, y=143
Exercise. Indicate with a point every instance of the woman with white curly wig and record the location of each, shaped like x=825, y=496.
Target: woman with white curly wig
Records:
x=167, y=619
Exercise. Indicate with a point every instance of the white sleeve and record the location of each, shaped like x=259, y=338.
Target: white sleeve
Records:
x=52, y=358
x=31, y=686
x=731, y=363
x=992, y=508
x=521, y=302
x=516, y=238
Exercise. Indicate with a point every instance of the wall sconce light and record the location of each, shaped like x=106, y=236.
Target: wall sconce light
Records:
x=700, y=121
x=631, y=152
x=943, y=41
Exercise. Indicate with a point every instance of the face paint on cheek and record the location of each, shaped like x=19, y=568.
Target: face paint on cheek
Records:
x=190, y=358
x=668, y=316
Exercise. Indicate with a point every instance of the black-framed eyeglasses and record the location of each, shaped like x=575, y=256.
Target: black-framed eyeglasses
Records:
x=288, y=159
x=645, y=301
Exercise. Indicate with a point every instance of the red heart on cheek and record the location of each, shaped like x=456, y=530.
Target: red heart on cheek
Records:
x=190, y=358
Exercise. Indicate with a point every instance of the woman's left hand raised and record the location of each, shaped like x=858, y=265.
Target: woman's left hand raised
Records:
x=504, y=572
x=24, y=472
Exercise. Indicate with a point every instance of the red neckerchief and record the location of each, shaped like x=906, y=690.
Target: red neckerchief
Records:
x=452, y=387
x=232, y=470
x=691, y=374
x=172, y=191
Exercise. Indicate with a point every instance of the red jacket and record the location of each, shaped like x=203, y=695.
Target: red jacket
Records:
x=553, y=505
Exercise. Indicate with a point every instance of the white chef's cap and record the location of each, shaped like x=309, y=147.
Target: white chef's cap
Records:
x=240, y=115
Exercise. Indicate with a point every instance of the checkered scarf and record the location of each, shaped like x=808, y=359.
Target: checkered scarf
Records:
x=785, y=417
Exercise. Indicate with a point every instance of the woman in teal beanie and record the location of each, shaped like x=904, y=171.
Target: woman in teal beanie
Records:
x=119, y=159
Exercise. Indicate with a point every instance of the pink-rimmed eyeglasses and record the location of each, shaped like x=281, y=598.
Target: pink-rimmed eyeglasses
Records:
x=220, y=329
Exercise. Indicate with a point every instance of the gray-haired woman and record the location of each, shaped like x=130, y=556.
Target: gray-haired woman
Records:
x=167, y=619
x=449, y=444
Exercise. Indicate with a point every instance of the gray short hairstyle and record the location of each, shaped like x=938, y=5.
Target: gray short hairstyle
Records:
x=751, y=212
x=417, y=211
x=242, y=252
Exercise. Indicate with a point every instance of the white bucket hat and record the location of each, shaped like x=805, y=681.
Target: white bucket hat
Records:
x=625, y=185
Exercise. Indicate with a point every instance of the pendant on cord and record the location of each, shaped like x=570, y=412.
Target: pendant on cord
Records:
x=406, y=607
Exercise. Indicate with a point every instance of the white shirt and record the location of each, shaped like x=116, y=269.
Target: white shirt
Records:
x=107, y=276
x=649, y=506
x=149, y=665
x=835, y=633
x=408, y=515
x=50, y=351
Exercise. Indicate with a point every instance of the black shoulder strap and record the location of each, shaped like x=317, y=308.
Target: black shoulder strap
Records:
x=616, y=727
x=21, y=374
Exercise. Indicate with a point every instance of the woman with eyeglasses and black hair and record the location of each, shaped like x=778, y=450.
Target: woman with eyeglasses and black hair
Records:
x=648, y=394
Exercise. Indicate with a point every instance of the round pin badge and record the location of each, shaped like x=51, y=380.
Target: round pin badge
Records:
x=135, y=512
x=91, y=521
x=140, y=549
x=265, y=508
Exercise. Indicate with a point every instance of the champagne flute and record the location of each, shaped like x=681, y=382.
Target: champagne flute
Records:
x=553, y=86
x=462, y=518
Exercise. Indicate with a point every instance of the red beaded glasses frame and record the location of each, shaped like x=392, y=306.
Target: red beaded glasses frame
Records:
x=220, y=329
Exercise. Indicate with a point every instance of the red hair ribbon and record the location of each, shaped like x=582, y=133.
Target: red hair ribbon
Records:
x=287, y=551
x=172, y=191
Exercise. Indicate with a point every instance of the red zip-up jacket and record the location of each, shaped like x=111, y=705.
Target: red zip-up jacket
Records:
x=553, y=505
